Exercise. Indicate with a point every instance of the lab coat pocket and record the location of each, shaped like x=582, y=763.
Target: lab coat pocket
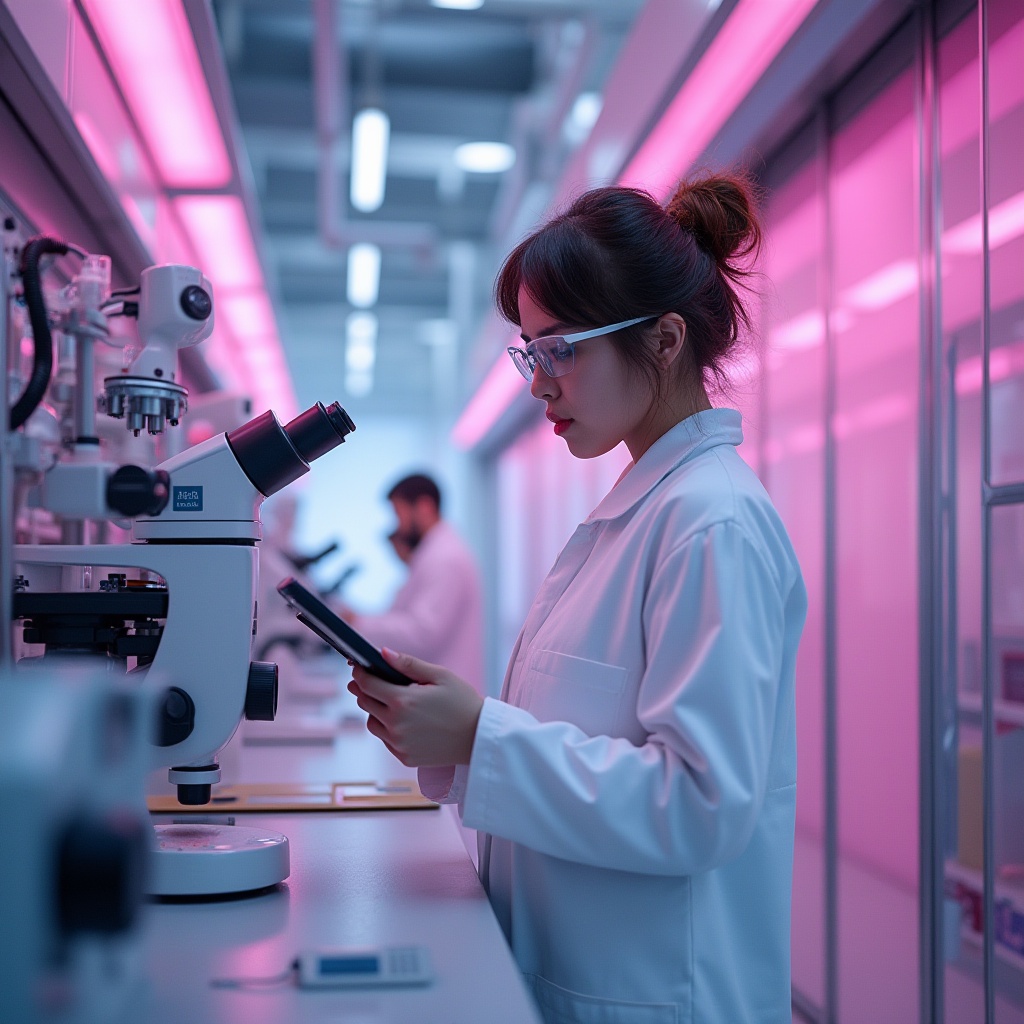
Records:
x=565, y=688
x=563, y=1006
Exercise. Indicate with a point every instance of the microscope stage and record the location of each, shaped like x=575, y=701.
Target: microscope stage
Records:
x=207, y=860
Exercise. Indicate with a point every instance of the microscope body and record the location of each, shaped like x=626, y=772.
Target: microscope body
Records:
x=199, y=673
x=186, y=589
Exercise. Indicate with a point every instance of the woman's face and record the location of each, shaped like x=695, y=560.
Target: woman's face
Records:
x=599, y=402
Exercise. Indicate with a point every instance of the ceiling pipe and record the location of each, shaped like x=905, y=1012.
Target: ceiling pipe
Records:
x=537, y=129
x=330, y=80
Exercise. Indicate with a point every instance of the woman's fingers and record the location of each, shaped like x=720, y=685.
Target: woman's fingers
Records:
x=415, y=668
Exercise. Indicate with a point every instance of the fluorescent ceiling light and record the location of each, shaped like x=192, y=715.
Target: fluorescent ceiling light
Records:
x=363, y=274
x=485, y=157
x=360, y=342
x=458, y=5
x=370, y=132
x=360, y=353
x=153, y=53
x=582, y=117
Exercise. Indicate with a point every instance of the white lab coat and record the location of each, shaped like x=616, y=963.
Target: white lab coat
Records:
x=637, y=780
x=437, y=614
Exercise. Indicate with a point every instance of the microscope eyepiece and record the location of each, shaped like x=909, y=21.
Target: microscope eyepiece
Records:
x=317, y=430
x=272, y=456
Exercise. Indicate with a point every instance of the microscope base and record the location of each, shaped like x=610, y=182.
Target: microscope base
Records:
x=212, y=860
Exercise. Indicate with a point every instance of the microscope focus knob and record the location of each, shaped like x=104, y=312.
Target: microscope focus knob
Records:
x=261, y=692
x=132, y=490
x=100, y=874
x=176, y=717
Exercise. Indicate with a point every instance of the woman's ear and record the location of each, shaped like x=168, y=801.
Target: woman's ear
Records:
x=670, y=338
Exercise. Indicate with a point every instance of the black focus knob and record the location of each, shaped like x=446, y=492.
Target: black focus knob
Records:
x=196, y=302
x=100, y=874
x=134, y=491
x=176, y=717
x=261, y=692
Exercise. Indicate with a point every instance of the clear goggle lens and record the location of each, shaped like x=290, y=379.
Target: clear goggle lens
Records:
x=555, y=354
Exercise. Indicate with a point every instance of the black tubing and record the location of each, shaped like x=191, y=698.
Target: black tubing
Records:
x=42, y=360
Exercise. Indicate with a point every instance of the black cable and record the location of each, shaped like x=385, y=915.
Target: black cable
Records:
x=42, y=360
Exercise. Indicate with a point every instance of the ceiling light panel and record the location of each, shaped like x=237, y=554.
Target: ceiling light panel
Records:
x=363, y=275
x=370, y=133
x=485, y=157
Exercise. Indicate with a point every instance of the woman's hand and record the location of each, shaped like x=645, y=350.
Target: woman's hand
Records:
x=429, y=724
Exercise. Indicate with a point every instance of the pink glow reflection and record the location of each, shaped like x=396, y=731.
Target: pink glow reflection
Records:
x=806, y=330
x=1002, y=363
x=881, y=412
x=220, y=233
x=101, y=151
x=744, y=48
x=884, y=287
x=153, y=54
x=1005, y=222
x=248, y=315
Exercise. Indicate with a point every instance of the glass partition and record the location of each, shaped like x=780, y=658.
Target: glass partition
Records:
x=794, y=472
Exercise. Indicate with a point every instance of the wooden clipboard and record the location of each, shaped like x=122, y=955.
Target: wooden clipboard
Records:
x=267, y=797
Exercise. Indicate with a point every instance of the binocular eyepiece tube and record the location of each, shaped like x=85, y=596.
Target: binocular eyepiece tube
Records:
x=272, y=456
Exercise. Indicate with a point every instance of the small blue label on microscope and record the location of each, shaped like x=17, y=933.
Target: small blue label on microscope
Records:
x=188, y=499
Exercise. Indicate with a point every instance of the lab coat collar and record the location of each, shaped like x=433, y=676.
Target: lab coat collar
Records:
x=686, y=440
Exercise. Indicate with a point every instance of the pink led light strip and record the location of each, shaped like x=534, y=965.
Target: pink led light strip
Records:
x=153, y=54
x=741, y=52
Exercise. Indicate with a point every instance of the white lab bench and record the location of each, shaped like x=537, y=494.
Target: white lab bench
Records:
x=358, y=878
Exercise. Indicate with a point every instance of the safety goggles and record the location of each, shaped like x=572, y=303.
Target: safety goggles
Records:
x=555, y=354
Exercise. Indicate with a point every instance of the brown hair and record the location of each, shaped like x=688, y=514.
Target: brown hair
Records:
x=616, y=254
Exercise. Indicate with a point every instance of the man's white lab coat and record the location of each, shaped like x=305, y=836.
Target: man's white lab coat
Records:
x=638, y=779
x=437, y=614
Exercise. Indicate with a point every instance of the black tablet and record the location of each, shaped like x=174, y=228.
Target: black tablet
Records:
x=312, y=612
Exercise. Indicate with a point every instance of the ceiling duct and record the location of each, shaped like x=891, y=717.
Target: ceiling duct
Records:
x=330, y=89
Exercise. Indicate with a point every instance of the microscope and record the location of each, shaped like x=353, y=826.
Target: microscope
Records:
x=175, y=607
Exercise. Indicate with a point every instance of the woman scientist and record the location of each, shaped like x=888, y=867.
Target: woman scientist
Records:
x=635, y=786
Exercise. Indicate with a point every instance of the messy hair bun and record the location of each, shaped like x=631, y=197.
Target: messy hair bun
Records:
x=616, y=253
x=719, y=210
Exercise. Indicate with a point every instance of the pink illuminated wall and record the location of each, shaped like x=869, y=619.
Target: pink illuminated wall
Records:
x=874, y=206
x=794, y=414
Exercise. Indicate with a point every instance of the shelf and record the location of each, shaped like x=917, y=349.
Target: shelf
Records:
x=1009, y=912
x=1008, y=956
x=1008, y=711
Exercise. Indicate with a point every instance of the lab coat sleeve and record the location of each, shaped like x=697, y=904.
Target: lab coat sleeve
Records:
x=687, y=799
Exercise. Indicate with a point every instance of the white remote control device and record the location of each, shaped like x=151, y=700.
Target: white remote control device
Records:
x=352, y=968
